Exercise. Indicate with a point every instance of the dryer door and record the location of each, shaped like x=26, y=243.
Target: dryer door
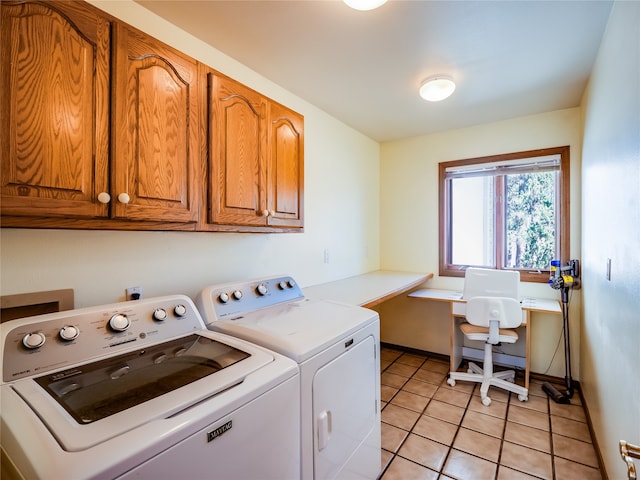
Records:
x=346, y=415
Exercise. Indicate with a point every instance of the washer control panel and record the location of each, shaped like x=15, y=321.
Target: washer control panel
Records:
x=222, y=301
x=35, y=345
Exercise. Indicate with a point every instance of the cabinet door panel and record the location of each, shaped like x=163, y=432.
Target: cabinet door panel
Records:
x=54, y=99
x=237, y=146
x=156, y=130
x=163, y=146
x=286, y=167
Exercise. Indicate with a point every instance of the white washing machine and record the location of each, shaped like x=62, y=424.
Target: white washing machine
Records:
x=337, y=347
x=143, y=390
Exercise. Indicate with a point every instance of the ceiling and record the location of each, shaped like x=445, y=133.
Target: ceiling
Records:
x=508, y=58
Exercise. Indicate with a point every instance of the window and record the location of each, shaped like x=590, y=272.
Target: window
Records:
x=506, y=212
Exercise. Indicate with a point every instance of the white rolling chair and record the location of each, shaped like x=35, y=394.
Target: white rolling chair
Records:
x=491, y=319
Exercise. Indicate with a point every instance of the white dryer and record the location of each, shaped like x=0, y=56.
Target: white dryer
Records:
x=337, y=348
x=140, y=390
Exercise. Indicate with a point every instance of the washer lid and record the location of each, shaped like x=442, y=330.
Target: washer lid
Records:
x=102, y=388
x=88, y=404
x=299, y=329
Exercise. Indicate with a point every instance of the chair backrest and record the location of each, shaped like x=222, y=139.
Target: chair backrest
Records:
x=481, y=310
x=491, y=283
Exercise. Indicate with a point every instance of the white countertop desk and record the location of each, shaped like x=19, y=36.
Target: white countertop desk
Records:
x=368, y=289
x=457, y=308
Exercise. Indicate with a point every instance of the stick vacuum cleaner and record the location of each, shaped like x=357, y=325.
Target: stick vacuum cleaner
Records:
x=563, y=279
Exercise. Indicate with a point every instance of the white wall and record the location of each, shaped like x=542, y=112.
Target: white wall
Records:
x=341, y=215
x=611, y=229
x=409, y=239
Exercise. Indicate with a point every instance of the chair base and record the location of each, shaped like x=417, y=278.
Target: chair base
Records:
x=504, y=380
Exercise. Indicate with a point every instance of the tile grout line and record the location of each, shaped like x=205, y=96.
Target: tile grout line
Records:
x=453, y=440
x=504, y=434
x=553, y=456
x=415, y=423
x=395, y=454
x=409, y=432
x=450, y=446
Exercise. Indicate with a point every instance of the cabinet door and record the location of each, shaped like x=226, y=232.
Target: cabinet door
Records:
x=155, y=156
x=237, y=149
x=54, y=101
x=285, y=180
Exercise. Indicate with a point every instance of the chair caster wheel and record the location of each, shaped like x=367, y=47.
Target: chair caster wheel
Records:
x=523, y=398
x=486, y=401
x=451, y=382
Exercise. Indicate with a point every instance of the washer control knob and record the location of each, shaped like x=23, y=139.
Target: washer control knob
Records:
x=159, y=358
x=160, y=314
x=282, y=285
x=33, y=340
x=223, y=297
x=69, y=332
x=291, y=283
x=262, y=289
x=237, y=294
x=119, y=322
x=180, y=310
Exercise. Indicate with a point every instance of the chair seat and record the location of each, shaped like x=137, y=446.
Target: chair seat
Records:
x=473, y=332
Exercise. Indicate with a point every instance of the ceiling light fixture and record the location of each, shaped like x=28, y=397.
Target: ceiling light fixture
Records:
x=365, y=4
x=437, y=87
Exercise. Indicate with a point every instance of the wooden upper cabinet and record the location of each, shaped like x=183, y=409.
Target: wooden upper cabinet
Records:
x=155, y=142
x=256, y=152
x=103, y=126
x=54, y=99
x=237, y=138
x=285, y=182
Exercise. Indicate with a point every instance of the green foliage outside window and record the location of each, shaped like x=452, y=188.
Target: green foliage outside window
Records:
x=530, y=217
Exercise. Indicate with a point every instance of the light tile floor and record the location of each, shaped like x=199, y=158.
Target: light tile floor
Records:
x=431, y=430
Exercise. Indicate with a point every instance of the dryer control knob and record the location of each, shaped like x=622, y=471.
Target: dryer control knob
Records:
x=282, y=285
x=237, y=294
x=119, y=322
x=180, y=310
x=262, y=289
x=69, y=332
x=160, y=314
x=223, y=297
x=33, y=340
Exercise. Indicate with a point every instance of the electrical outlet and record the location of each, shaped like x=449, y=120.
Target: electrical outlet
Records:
x=134, y=293
x=326, y=255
